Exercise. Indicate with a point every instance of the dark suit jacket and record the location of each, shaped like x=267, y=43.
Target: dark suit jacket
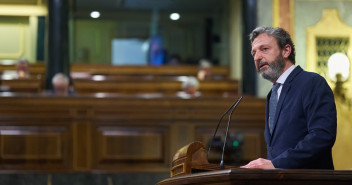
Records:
x=305, y=123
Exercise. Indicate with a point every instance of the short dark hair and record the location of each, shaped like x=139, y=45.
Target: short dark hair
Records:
x=282, y=37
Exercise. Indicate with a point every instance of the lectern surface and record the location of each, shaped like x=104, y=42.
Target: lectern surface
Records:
x=263, y=177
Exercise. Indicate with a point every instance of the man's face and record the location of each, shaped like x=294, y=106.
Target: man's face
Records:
x=191, y=90
x=22, y=69
x=60, y=88
x=268, y=58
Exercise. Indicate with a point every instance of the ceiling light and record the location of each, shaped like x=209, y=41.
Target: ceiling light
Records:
x=95, y=14
x=175, y=16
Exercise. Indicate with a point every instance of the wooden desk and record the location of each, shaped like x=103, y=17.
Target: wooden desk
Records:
x=263, y=177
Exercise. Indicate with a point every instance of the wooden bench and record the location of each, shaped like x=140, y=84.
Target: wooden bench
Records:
x=126, y=79
x=125, y=85
x=170, y=87
x=33, y=84
x=34, y=69
x=222, y=72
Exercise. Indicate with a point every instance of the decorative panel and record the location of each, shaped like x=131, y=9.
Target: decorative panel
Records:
x=34, y=147
x=15, y=145
x=130, y=144
x=328, y=36
x=12, y=45
x=327, y=46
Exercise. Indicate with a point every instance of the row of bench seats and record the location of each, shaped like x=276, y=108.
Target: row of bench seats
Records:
x=148, y=71
x=127, y=80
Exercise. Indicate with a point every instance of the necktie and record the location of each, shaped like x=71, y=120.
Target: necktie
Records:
x=272, y=106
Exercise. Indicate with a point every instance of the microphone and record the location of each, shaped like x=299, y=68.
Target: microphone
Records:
x=233, y=106
x=227, y=131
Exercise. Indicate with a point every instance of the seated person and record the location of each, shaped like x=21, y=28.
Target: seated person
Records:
x=204, y=70
x=174, y=60
x=22, y=68
x=61, y=85
x=189, y=88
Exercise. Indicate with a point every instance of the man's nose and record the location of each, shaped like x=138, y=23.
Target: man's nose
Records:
x=257, y=56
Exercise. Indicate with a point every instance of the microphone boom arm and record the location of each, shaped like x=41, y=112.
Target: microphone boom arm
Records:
x=227, y=131
x=233, y=106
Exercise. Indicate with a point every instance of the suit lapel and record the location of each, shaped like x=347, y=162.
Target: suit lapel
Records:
x=267, y=134
x=285, y=89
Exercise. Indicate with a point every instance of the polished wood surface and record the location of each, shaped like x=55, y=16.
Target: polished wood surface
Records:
x=192, y=158
x=125, y=79
x=104, y=132
x=223, y=71
x=33, y=84
x=170, y=87
x=124, y=85
x=34, y=69
x=263, y=177
x=187, y=158
x=96, y=69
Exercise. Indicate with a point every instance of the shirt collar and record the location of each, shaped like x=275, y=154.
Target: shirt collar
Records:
x=284, y=75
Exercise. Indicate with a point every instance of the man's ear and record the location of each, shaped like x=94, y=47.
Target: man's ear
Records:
x=286, y=51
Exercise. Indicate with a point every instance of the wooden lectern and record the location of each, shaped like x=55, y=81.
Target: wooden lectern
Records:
x=190, y=166
x=191, y=159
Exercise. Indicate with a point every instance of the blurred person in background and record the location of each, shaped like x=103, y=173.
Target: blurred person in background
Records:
x=22, y=68
x=61, y=85
x=204, y=70
x=190, y=88
x=174, y=60
x=157, y=53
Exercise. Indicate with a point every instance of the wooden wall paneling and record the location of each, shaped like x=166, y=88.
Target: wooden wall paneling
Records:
x=181, y=135
x=252, y=146
x=130, y=133
x=35, y=146
x=129, y=148
x=248, y=120
x=82, y=149
x=103, y=134
x=133, y=111
x=131, y=144
x=250, y=149
x=34, y=137
x=31, y=143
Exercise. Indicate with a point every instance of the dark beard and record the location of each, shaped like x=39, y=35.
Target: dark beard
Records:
x=275, y=69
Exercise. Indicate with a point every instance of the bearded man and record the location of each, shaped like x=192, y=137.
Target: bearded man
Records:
x=300, y=119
